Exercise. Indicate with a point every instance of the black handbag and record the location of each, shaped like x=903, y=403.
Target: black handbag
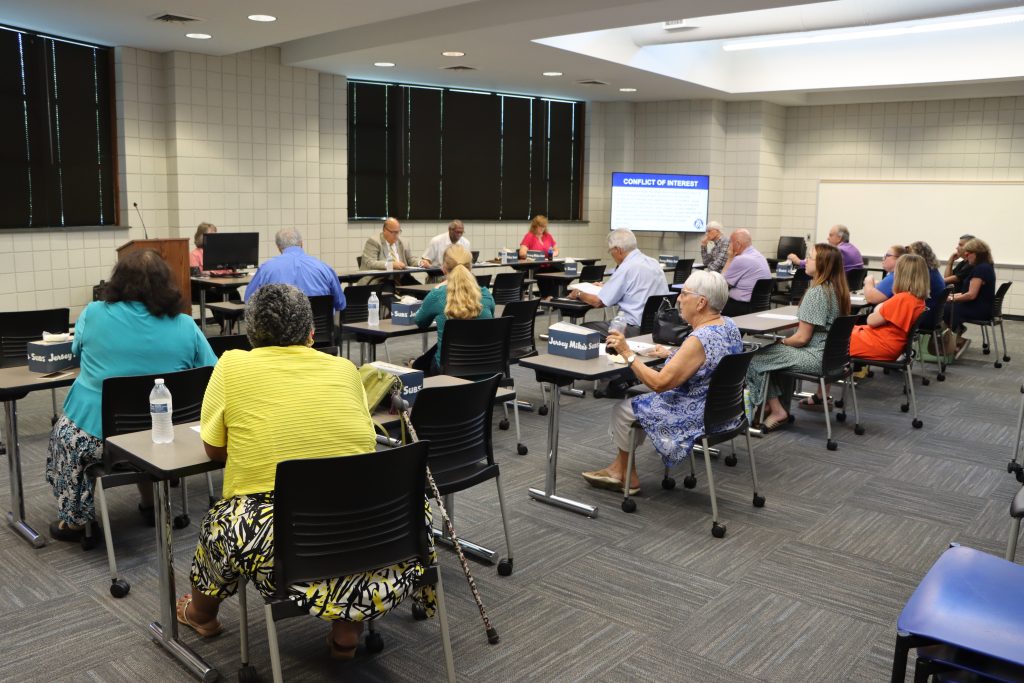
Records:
x=669, y=326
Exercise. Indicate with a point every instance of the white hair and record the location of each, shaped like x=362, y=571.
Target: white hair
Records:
x=288, y=237
x=623, y=239
x=844, y=233
x=710, y=285
x=715, y=225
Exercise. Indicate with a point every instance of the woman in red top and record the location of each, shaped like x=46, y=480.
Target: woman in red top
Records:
x=195, y=257
x=885, y=335
x=538, y=238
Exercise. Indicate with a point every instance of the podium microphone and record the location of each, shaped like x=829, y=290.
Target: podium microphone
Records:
x=144, y=231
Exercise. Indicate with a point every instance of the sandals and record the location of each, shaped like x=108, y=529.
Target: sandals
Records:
x=602, y=480
x=338, y=652
x=203, y=631
x=814, y=403
x=770, y=424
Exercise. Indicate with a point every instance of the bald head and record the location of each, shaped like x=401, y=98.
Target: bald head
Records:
x=392, y=229
x=740, y=240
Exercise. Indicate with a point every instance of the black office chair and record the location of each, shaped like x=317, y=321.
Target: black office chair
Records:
x=761, y=295
x=324, y=330
x=684, y=267
x=790, y=245
x=835, y=366
x=359, y=262
x=508, y=287
x=456, y=420
x=723, y=404
x=904, y=363
x=930, y=325
x=18, y=328
x=335, y=517
x=229, y=342
x=855, y=278
x=125, y=402
x=472, y=349
x=594, y=273
x=798, y=285
x=995, y=319
x=651, y=310
x=484, y=280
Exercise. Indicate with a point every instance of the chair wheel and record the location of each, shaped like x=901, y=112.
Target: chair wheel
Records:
x=758, y=500
x=119, y=588
x=1006, y=359
x=1012, y=466
x=89, y=542
x=181, y=521
x=859, y=430
x=419, y=612
x=841, y=417
x=885, y=371
x=505, y=567
x=730, y=460
x=668, y=483
x=598, y=393
x=791, y=419
x=542, y=410
x=985, y=350
x=718, y=530
x=871, y=373
x=831, y=445
x=689, y=481
x=925, y=381
x=905, y=408
x=839, y=403
x=941, y=377
x=374, y=643
x=248, y=674
x=503, y=424
x=628, y=505
x=917, y=423
x=522, y=449
x=998, y=364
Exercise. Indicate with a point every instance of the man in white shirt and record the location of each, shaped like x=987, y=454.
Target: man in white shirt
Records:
x=434, y=253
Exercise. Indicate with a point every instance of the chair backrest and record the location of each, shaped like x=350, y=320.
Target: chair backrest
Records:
x=855, y=278
x=798, y=286
x=456, y=420
x=484, y=280
x=594, y=273
x=508, y=287
x=997, y=302
x=356, y=298
x=475, y=253
x=836, y=355
x=932, y=317
x=791, y=245
x=323, y=320
x=908, y=347
x=125, y=400
x=229, y=342
x=476, y=348
x=524, y=318
x=684, y=267
x=335, y=517
x=18, y=328
x=359, y=262
x=651, y=310
x=761, y=295
x=724, y=401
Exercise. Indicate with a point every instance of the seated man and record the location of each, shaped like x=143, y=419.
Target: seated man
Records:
x=744, y=268
x=434, y=254
x=839, y=237
x=295, y=267
x=715, y=260
x=377, y=250
x=958, y=269
x=637, y=277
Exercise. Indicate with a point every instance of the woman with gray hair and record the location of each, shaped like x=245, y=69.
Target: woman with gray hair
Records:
x=937, y=283
x=282, y=400
x=673, y=415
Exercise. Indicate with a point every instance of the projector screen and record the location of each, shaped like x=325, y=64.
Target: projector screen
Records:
x=659, y=202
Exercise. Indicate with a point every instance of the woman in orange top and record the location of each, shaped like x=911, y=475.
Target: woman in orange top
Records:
x=885, y=335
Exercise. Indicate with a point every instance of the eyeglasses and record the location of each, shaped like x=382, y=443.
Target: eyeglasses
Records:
x=393, y=232
x=688, y=292
x=889, y=254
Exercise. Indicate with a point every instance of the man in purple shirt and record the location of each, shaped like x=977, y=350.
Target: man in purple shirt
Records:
x=295, y=267
x=745, y=266
x=839, y=237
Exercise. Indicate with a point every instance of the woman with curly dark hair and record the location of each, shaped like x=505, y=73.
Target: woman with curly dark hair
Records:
x=136, y=330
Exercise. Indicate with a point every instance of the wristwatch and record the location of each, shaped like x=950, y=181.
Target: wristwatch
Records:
x=630, y=358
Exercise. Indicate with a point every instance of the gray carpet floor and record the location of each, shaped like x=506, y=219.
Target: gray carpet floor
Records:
x=807, y=588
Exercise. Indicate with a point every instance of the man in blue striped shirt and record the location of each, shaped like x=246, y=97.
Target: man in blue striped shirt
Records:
x=295, y=267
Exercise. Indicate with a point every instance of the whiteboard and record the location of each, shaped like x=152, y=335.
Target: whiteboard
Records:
x=882, y=213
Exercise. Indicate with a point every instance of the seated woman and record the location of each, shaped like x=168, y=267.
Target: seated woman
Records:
x=537, y=238
x=975, y=302
x=877, y=293
x=673, y=416
x=137, y=329
x=459, y=297
x=279, y=401
x=885, y=335
x=936, y=283
x=826, y=299
x=195, y=257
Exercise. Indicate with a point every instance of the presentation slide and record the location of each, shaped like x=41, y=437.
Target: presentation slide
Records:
x=659, y=202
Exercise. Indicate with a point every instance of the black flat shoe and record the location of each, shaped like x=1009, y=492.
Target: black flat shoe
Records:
x=59, y=531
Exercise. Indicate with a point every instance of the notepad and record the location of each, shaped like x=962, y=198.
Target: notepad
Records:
x=586, y=288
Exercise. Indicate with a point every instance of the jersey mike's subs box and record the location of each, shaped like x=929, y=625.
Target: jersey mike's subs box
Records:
x=412, y=380
x=403, y=313
x=46, y=356
x=573, y=341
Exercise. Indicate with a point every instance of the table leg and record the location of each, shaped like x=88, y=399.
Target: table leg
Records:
x=16, y=515
x=167, y=636
x=202, y=309
x=548, y=494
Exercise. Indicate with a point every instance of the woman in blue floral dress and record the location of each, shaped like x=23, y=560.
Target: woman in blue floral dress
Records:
x=673, y=416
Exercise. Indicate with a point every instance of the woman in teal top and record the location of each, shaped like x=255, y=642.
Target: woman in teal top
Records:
x=135, y=330
x=460, y=297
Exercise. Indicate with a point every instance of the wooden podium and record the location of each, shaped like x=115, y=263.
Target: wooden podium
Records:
x=175, y=252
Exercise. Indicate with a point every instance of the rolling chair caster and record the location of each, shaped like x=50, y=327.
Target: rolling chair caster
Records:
x=718, y=530
x=374, y=643
x=181, y=521
x=668, y=483
x=119, y=588
x=505, y=567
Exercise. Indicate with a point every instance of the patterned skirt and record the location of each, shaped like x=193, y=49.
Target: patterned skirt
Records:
x=71, y=452
x=237, y=539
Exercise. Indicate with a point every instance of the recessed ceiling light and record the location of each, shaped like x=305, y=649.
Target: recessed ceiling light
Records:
x=453, y=53
x=198, y=36
x=627, y=89
x=384, y=64
x=262, y=17
x=552, y=73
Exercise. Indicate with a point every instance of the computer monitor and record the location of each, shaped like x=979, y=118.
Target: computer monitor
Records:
x=791, y=245
x=231, y=250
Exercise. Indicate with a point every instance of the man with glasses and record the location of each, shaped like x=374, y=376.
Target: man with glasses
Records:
x=377, y=249
x=877, y=293
x=958, y=270
x=838, y=237
x=434, y=253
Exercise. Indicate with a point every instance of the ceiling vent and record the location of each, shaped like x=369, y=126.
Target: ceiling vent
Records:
x=591, y=81
x=460, y=67
x=174, y=18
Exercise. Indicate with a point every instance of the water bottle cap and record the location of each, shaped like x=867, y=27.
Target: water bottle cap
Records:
x=158, y=380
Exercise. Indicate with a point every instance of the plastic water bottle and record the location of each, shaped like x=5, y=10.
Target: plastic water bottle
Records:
x=389, y=263
x=160, y=411
x=373, y=308
x=618, y=324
